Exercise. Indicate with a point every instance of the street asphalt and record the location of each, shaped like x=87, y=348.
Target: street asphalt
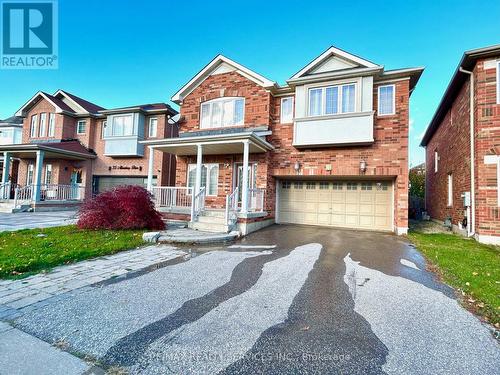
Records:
x=283, y=300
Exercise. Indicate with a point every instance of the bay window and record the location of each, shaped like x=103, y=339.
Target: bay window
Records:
x=332, y=100
x=209, y=177
x=34, y=118
x=222, y=112
x=386, y=100
x=52, y=124
x=120, y=126
x=43, y=125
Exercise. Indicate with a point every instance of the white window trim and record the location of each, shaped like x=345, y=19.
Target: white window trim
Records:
x=31, y=169
x=33, y=126
x=450, y=190
x=42, y=127
x=323, y=99
x=51, y=130
x=156, y=128
x=282, y=121
x=207, y=177
x=223, y=99
x=48, y=168
x=78, y=127
x=104, y=124
x=436, y=161
x=393, y=101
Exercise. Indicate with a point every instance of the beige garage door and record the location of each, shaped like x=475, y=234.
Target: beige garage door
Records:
x=350, y=204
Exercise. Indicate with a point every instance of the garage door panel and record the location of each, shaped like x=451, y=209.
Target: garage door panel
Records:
x=358, y=204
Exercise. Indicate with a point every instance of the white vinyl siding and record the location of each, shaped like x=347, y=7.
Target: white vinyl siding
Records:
x=386, y=100
x=450, y=190
x=34, y=119
x=286, y=110
x=153, y=125
x=222, y=112
x=43, y=125
x=209, y=172
x=332, y=100
x=52, y=124
x=80, y=127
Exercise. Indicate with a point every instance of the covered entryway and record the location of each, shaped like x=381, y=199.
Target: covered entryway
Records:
x=349, y=204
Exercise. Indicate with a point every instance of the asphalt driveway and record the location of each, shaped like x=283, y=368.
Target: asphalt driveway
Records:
x=284, y=300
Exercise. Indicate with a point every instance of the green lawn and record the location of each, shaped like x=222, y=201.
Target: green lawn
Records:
x=24, y=252
x=467, y=265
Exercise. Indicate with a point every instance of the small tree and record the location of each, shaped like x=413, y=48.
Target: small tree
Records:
x=417, y=183
x=124, y=207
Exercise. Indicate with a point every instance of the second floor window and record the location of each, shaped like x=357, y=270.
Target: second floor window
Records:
x=104, y=126
x=153, y=124
x=121, y=126
x=43, y=125
x=80, y=127
x=286, y=110
x=332, y=100
x=52, y=125
x=386, y=100
x=34, y=119
x=222, y=112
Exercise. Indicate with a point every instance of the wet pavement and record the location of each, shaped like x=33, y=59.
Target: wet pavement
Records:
x=283, y=300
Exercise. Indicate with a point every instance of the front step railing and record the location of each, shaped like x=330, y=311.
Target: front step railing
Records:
x=23, y=195
x=5, y=189
x=198, y=204
x=231, y=215
x=172, y=196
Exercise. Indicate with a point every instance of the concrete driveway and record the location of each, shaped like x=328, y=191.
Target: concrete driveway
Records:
x=284, y=300
x=30, y=220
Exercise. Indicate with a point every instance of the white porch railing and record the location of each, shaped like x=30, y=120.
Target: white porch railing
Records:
x=5, y=190
x=172, y=196
x=52, y=192
x=231, y=214
x=23, y=195
x=256, y=199
x=198, y=204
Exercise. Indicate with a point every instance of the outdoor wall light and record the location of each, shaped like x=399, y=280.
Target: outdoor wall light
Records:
x=362, y=166
x=296, y=166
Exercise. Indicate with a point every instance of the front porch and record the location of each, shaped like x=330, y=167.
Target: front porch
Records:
x=221, y=181
x=51, y=177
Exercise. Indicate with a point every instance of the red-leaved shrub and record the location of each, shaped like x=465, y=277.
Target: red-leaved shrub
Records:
x=123, y=207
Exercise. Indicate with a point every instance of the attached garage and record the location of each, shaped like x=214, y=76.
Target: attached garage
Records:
x=103, y=183
x=348, y=204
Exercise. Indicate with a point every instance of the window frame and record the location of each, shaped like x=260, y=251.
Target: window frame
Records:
x=393, y=112
x=34, y=126
x=208, y=167
x=436, y=161
x=221, y=116
x=449, y=201
x=112, y=128
x=104, y=125
x=155, y=127
x=48, y=172
x=286, y=120
x=84, y=127
x=340, y=99
x=42, y=127
x=51, y=129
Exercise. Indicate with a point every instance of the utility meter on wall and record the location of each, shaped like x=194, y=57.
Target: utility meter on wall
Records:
x=466, y=198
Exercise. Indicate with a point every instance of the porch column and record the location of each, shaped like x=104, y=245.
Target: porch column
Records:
x=150, y=168
x=244, y=191
x=199, y=164
x=6, y=167
x=38, y=176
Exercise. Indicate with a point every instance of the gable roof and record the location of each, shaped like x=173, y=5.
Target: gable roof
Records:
x=220, y=64
x=467, y=62
x=338, y=55
x=59, y=105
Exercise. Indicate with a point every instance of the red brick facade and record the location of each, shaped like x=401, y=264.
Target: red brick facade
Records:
x=387, y=157
x=452, y=140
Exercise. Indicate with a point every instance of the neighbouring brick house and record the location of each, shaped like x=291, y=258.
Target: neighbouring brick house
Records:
x=462, y=146
x=72, y=148
x=330, y=147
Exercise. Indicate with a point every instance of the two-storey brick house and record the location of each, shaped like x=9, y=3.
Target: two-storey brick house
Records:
x=72, y=148
x=462, y=146
x=330, y=147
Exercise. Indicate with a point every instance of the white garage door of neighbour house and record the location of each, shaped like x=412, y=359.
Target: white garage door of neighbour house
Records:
x=106, y=183
x=348, y=204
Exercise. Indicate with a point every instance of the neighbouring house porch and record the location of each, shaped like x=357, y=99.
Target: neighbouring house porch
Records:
x=51, y=176
x=221, y=177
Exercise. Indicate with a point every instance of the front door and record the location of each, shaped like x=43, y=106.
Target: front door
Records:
x=252, y=178
x=76, y=183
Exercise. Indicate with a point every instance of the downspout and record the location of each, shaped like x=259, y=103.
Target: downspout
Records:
x=472, y=227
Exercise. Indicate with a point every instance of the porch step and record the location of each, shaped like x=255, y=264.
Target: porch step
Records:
x=214, y=213
x=212, y=219
x=209, y=227
x=6, y=207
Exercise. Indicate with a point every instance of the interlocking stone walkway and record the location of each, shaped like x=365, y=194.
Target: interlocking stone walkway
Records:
x=36, y=291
